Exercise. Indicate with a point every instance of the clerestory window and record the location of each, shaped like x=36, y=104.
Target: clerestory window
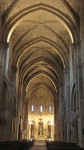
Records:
x=41, y=108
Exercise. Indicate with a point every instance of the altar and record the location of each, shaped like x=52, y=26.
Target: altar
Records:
x=40, y=138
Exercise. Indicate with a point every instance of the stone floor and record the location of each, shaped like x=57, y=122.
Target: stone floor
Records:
x=39, y=145
x=39, y=142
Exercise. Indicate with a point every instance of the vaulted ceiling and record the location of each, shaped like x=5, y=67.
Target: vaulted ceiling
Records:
x=40, y=33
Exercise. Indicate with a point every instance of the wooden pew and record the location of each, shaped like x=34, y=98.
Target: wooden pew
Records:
x=16, y=145
x=66, y=148
x=54, y=145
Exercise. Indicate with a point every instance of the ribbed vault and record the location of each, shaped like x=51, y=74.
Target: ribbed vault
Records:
x=40, y=34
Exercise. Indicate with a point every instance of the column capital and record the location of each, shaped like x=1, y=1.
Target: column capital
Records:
x=76, y=44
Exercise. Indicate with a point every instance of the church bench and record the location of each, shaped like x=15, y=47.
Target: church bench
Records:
x=57, y=144
x=65, y=148
x=15, y=145
x=62, y=145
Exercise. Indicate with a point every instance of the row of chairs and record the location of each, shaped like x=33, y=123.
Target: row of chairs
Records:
x=61, y=145
x=16, y=145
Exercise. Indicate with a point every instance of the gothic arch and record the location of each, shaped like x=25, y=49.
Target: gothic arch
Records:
x=36, y=40
x=16, y=20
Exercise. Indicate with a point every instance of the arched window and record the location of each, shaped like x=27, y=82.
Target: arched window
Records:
x=49, y=108
x=41, y=108
x=32, y=108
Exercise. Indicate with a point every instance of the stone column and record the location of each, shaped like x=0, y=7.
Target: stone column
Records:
x=32, y=130
x=65, y=103
x=75, y=81
x=81, y=119
x=29, y=130
x=60, y=113
x=80, y=100
x=74, y=61
x=80, y=74
x=55, y=114
x=0, y=19
x=13, y=96
x=82, y=33
x=51, y=131
x=78, y=79
x=25, y=116
x=3, y=53
x=68, y=117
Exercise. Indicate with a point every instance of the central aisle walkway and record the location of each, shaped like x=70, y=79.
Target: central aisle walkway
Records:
x=39, y=145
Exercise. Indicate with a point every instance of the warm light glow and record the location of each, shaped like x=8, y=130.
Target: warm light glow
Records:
x=32, y=108
x=30, y=122
x=51, y=123
x=50, y=108
x=41, y=108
